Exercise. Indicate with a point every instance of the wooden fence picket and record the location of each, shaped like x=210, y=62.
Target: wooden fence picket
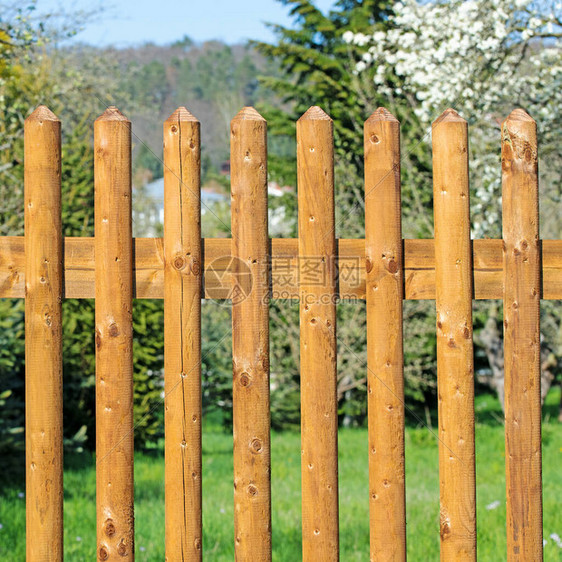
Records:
x=522, y=353
x=182, y=335
x=384, y=293
x=43, y=336
x=250, y=337
x=114, y=336
x=317, y=290
x=455, y=363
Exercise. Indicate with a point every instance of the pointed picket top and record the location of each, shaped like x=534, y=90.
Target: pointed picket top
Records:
x=42, y=113
x=519, y=115
x=449, y=116
x=112, y=114
x=519, y=137
x=382, y=114
x=182, y=114
x=248, y=114
x=315, y=113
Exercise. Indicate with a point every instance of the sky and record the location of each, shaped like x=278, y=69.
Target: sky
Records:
x=131, y=22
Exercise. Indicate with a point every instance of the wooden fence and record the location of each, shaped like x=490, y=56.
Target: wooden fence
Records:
x=44, y=267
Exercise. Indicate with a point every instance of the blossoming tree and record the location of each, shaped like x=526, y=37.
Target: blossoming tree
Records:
x=482, y=58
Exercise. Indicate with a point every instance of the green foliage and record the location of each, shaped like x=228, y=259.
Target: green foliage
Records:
x=34, y=78
x=216, y=360
x=213, y=80
x=148, y=371
x=11, y=385
x=317, y=68
x=284, y=367
x=79, y=370
x=145, y=160
x=147, y=83
x=79, y=318
x=77, y=180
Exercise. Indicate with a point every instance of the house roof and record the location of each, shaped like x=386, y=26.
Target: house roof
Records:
x=155, y=190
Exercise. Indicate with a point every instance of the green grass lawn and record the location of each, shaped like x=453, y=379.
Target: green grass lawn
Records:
x=421, y=483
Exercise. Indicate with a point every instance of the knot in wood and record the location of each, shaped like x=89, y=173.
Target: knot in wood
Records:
x=103, y=554
x=195, y=267
x=179, y=263
x=113, y=330
x=244, y=379
x=445, y=529
x=506, y=164
x=122, y=548
x=256, y=445
x=109, y=528
x=392, y=266
x=252, y=490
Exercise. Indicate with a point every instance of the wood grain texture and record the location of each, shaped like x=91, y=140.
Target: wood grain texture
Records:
x=522, y=267
x=43, y=337
x=385, y=378
x=455, y=358
x=182, y=336
x=148, y=269
x=250, y=337
x=114, y=336
x=317, y=275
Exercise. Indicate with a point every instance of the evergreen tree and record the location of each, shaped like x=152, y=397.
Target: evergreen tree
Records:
x=318, y=68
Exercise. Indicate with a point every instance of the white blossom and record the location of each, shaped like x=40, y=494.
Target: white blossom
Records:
x=467, y=54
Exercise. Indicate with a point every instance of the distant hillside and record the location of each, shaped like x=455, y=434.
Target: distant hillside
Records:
x=213, y=80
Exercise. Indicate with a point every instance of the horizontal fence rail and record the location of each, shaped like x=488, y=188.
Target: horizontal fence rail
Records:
x=148, y=268
x=250, y=269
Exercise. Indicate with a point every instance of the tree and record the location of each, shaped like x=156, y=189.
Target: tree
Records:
x=31, y=75
x=484, y=60
x=318, y=68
